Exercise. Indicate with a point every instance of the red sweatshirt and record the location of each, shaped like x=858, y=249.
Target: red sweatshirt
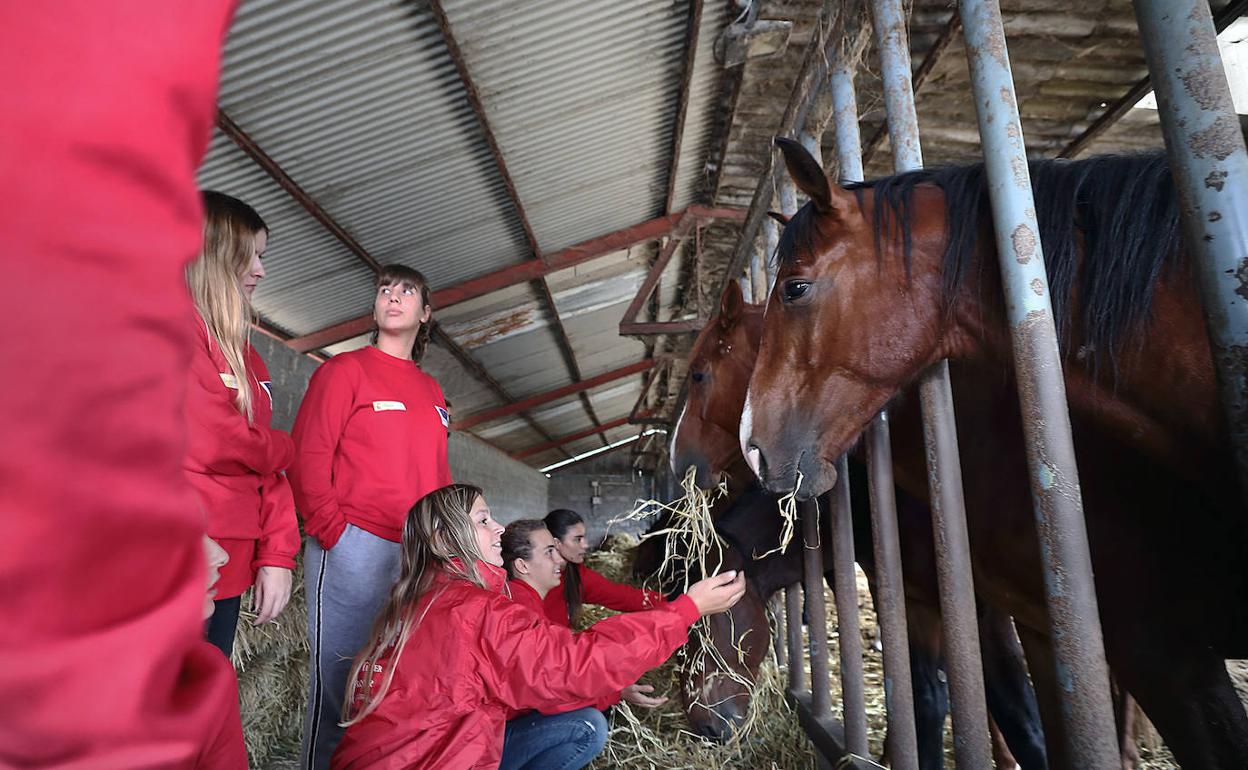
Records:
x=370, y=440
x=477, y=656
x=236, y=467
x=107, y=109
x=596, y=589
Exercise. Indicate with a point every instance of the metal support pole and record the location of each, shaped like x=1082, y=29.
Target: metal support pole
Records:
x=758, y=274
x=844, y=580
x=771, y=237
x=1077, y=643
x=1210, y=168
x=959, y=620
x=746, y=286
x=890, y=597
x=816, y=609
x=811, y=143
x=845, y=592
x=778, y=638
x=793, y=632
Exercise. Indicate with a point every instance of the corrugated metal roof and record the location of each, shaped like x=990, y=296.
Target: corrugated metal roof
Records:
x=361, y=104
x=582, y=100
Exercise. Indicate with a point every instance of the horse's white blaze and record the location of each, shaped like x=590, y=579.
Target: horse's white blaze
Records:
x=752, y=455
x=671, y=447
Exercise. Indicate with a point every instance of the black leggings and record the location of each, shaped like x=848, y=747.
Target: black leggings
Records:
x=222, y=624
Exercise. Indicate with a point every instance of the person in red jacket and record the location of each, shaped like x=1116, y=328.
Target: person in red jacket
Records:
x=107, y=110
x=234, y=458
x=370, y=440
x=582, y=585
x=535, y=568
x=450, y=656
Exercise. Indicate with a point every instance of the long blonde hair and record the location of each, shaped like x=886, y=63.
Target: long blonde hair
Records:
x=437, y=535
x=215, y=281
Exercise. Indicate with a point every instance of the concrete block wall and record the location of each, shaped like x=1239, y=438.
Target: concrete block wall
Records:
x=512, y=489
x=619, y=488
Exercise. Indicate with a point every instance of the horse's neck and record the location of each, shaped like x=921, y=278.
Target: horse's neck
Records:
x=1163, y=397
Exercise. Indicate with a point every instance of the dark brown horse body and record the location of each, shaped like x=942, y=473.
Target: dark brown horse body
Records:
x=721, y=363
x=854, y=319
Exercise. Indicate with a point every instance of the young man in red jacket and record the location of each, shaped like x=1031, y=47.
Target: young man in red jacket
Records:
x=107, y=110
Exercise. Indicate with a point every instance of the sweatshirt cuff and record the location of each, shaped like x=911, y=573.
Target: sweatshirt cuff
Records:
x=684, y=607
x=329, y=537
x=272, y=560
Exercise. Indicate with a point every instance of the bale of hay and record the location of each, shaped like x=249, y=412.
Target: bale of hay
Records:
x=272, y=665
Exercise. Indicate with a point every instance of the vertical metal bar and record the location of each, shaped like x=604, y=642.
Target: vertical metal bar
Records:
x=812, y=144
x=758, y=274
x=793, y=632
x=816, y=609
x=771, y=236
x=959, y=620
x=745, y=284
x=844, y=580
x=1070, y=592
x=845, y=592
x=778, y=636
x=890, y=597
x=1210, y=168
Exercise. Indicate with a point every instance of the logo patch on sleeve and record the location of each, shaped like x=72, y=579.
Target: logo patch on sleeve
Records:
x=389, y=406
x=445, y=415
x=268, y=388
x=230, y=380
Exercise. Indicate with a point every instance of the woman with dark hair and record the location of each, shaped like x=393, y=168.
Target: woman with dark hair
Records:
x=370, y=440
x=581, y=585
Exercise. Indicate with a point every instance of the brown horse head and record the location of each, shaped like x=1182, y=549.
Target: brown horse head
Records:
x=848, y=323
x=724, y=661
x=719, y=372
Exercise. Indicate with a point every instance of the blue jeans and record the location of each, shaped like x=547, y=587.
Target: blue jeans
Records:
x=558, y=742
x=346, y=587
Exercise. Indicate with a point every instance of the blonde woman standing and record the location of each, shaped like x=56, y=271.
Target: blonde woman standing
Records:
x=370, y=441
x=234, y=457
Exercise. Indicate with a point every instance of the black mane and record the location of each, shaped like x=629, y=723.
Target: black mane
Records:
x=1124, y=208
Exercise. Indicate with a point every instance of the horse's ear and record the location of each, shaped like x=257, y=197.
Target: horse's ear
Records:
x=781, y=218
x=730, y=305
x=806, y=173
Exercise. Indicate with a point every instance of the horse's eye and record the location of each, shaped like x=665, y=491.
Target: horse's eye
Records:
x=698, y=376
x=795, y=289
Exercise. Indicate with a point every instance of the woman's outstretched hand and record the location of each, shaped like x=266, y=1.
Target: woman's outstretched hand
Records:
x=718, y=593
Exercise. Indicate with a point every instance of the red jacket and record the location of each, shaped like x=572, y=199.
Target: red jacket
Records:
x=370, y=440
x=236, y=467
x=596, y=589
x=525, y=595
x=476, y=656
x=107, y=111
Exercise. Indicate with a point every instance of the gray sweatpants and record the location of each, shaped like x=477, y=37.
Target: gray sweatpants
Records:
x=346, y=587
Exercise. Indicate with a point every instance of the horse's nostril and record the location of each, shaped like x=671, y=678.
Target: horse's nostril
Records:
x=754, y=456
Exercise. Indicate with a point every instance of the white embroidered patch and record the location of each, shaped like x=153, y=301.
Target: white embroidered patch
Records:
x=389, y=406
x=230, y=380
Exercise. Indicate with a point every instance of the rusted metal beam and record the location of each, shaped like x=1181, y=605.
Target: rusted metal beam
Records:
x=687, y=223
x=561, y=440
x=644, y=329
x=934, y=53
x=475, y=368
x=552, y=395
x=635, y=416
x=526, y=271
x=678, y=129
x=273, y=169
x=513, y=196
x=1221, y=20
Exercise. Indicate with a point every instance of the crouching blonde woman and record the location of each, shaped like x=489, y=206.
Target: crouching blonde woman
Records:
x=450, y=656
